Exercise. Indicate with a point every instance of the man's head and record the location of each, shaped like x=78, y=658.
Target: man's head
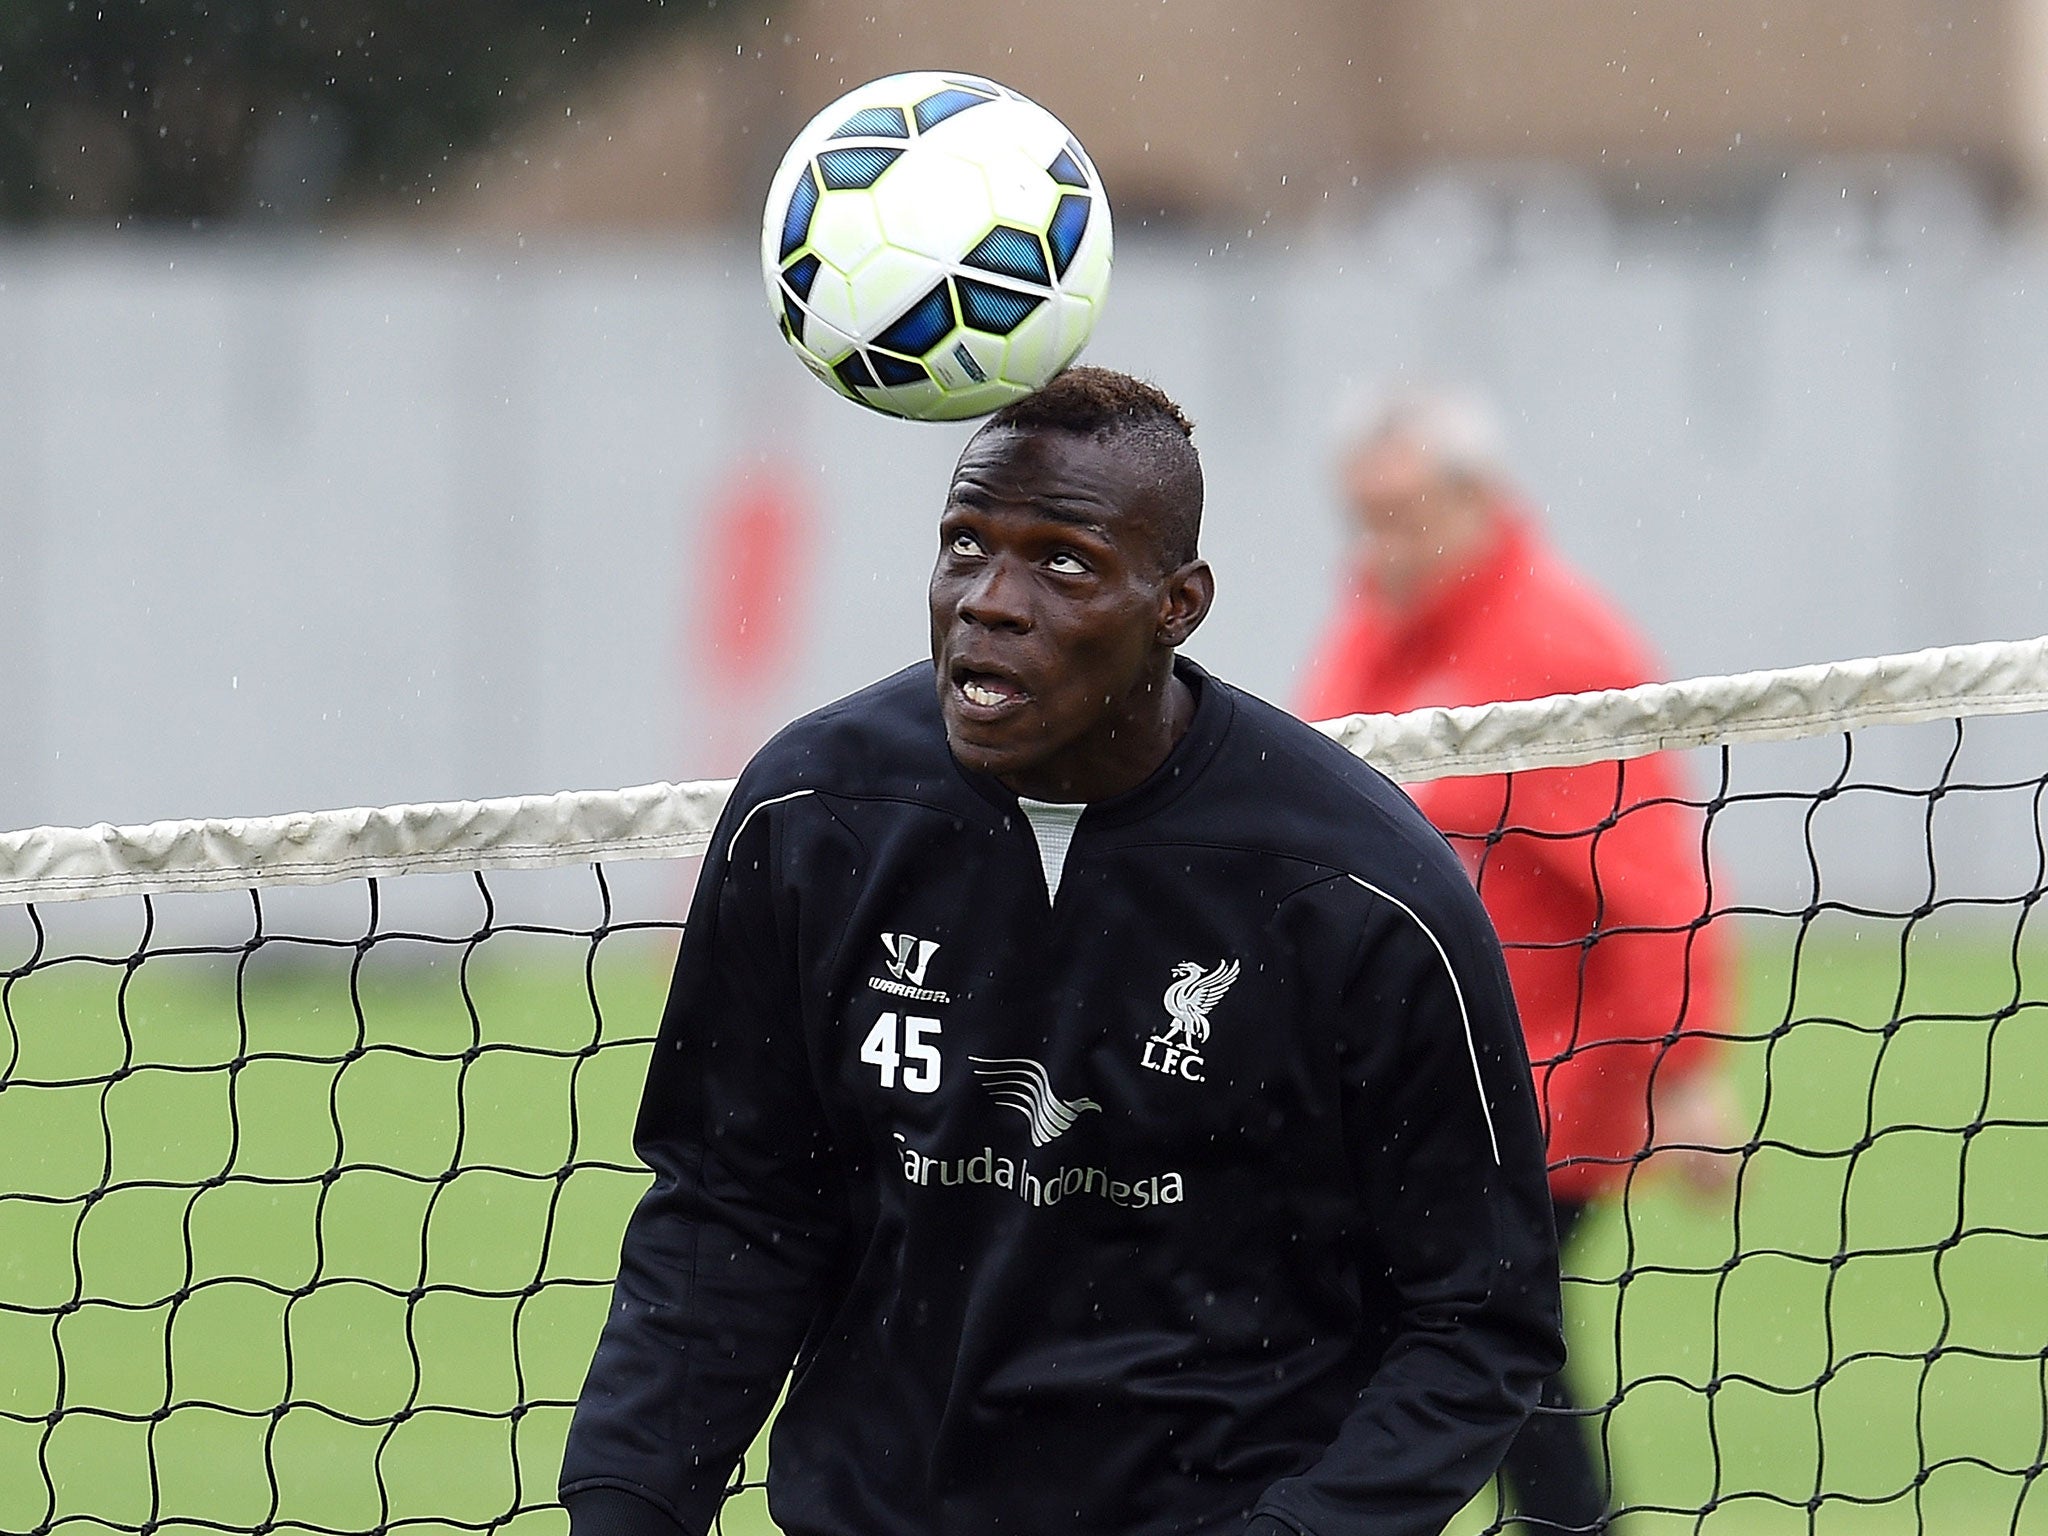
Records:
x=1067, y=575
x=1423, y=480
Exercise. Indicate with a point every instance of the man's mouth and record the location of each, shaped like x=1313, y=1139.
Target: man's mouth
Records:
x=985, y=694
x=988, y=693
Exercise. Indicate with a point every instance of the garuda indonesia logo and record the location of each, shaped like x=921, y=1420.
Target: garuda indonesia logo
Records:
x=1177, y=1049
x=1019, y=1083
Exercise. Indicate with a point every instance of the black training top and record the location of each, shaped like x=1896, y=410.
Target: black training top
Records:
x=1212, y=1187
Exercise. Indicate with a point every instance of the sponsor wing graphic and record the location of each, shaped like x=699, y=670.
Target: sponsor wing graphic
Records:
x=1019, y=1083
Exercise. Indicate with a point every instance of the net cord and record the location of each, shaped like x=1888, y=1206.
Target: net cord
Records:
x=662, y=821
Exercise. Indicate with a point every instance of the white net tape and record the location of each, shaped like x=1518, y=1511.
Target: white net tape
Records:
x=659, y=821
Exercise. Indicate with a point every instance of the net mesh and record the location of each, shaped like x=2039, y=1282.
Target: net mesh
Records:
x=311, y=1178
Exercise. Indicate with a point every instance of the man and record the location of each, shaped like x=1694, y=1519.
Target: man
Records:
x=1458, y=601
x=1103, y=1090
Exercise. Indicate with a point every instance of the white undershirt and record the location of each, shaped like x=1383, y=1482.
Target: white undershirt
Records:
x=1053, y=825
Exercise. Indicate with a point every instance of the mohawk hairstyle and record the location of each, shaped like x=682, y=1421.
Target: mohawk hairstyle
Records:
x=1144, y=422
x=1095, y=402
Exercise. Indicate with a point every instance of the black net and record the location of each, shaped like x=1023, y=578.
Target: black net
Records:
x=1830, y=1314
x=310, y=1210
x=311, y=1198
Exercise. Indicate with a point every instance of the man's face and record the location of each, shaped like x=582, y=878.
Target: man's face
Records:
x=1414, y=521
x=1054, y=617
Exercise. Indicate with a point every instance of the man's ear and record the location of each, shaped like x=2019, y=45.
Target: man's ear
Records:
x=1184, y=600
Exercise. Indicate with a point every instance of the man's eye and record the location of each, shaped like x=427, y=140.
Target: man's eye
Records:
x=964, y=543
x=1067, y=563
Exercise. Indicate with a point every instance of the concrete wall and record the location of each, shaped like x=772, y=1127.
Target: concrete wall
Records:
x=286, y=526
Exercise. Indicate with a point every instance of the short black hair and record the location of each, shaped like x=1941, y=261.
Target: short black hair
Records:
x=1105, y=405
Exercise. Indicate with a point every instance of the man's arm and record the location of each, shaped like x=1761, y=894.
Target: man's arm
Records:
x=724, y=1260
x=1458, y=1238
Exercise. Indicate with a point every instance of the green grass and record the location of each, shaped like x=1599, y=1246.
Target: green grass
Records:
x=354, y=1221
x=298, y=1263
x=1861, y=1302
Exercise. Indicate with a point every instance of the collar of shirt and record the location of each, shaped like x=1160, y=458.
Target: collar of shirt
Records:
x=1168, y=781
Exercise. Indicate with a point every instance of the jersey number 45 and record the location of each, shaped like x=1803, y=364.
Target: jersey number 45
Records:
x=901, y=1048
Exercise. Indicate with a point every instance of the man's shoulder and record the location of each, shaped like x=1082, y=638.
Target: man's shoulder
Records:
x=1285, y=783
x=1284, y=789
x=884, y=739
x=1287, y=745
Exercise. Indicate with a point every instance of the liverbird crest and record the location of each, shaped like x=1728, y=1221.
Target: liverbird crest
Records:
x=1192, y=993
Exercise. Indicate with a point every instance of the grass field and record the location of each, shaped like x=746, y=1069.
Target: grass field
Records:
x=303, y=1260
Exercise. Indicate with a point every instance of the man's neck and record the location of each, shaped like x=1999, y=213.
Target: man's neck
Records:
x=1145, y=743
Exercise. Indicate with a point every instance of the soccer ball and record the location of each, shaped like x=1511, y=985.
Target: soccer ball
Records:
x=935, y=245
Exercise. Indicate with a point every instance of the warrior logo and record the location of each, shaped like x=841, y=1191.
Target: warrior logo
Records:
x=1019, y=1083
x=908, y=958
x=1177, y=1049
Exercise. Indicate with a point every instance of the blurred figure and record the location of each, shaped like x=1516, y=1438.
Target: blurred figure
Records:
x=1457, y=599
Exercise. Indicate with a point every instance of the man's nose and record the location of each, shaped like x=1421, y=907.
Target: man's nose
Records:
x=997, y=597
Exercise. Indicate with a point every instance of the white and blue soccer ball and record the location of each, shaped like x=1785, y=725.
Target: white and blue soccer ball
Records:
x=936, y=245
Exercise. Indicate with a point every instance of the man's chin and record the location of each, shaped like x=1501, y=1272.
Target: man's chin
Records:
x=972, y=751
x=981, y=751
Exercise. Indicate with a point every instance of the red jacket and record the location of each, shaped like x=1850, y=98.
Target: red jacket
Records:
x=1600, y=1017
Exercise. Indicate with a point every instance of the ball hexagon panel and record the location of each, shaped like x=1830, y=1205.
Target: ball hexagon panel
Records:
x=1017, y=126
x=893, y=372
x=857, y=168
x=800, y=274
x=1008, y=251
x=994, y=308
x=1068, y=228
x=949, y=101
x=885, y=287
x=853, y=372
x=972, y=359
x=874, y=123
x=845, y=230
x=923, y=325
x=1032, y=350
x=920, y=401
x=825, y=341
x=831, y=303
x=1088, y=273
x=934, y=204
x=975, y=400
x=1076, y=318
x=797, y=280
x=1019, y=189
x=796, y=218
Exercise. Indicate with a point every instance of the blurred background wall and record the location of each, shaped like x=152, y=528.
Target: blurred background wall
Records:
x=389, y=409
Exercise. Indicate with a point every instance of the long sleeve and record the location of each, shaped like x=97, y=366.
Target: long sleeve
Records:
x=726, y=1258
x=1459, y=1249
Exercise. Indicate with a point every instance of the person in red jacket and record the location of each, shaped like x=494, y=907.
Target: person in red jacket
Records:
x=1595, y=876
